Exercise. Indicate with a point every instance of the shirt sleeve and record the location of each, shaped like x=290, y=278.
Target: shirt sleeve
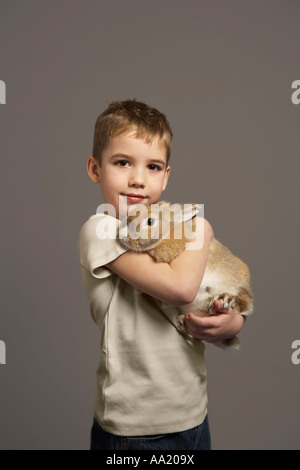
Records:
x=99, y=244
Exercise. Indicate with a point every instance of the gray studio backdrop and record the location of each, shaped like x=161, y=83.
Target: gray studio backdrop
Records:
x=222, y=72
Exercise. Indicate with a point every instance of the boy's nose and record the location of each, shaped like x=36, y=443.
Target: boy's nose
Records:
x=137, y=179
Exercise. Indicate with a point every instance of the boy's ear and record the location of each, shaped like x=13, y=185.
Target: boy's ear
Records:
x=93, y=169
x=166, y=177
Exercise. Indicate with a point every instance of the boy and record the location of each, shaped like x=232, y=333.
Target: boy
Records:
x=151, y=379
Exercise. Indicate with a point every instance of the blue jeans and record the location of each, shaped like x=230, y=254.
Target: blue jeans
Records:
x=197, y=438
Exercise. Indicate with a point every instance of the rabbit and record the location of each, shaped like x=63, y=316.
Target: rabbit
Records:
x=154, y=229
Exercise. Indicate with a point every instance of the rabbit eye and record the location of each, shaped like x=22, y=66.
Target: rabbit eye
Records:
x=149, y=222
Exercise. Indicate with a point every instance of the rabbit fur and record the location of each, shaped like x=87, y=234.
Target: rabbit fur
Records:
x=226, y=277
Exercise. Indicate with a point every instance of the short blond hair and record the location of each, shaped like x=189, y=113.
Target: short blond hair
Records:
x=122, y=117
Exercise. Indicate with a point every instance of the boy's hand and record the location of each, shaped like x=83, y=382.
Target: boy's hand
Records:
x=225, y=324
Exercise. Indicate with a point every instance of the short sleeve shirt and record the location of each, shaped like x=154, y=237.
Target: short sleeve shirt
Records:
x=151, y=379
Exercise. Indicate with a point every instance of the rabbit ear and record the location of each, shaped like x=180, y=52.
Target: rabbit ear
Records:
x=187, y=212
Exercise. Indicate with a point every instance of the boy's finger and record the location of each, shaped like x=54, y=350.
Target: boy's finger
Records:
x=200, y=322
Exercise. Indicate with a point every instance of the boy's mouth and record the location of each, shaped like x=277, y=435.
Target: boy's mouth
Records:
x=134, y=197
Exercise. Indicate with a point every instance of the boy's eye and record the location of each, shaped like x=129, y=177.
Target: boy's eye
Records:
x=154, y=167
x=122, y=162
x=151, y=166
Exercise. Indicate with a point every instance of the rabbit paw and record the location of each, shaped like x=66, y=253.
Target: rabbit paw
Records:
x=227, y=301
x=179, y=322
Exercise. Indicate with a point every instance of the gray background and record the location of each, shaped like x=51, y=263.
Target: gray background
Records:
x=222, y=72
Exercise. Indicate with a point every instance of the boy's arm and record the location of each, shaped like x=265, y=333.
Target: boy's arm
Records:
x=176, y=283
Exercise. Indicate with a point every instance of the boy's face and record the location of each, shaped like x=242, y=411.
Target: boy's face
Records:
x=133, y=169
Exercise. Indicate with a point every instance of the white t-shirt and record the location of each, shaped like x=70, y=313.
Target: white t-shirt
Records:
x=151, y=379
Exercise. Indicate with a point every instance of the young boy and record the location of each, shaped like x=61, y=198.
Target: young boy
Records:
x=151, y=379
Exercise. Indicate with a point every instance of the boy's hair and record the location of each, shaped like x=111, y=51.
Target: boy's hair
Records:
x=122, y=117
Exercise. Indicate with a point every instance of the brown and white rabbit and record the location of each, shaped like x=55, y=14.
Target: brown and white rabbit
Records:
x=154, y=229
